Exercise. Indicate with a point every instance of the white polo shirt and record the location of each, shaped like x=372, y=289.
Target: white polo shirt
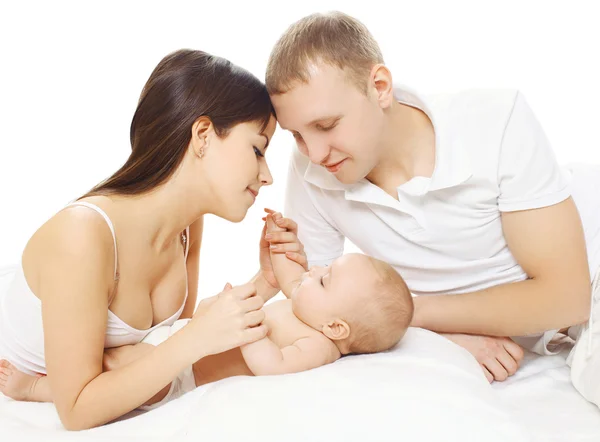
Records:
x=444, y=233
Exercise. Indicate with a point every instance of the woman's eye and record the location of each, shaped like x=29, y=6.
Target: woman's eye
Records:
x=258, y=152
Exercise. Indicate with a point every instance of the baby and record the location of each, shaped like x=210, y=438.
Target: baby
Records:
x=356, y=305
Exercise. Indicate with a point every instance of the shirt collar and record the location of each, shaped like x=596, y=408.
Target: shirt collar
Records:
x=452, y=164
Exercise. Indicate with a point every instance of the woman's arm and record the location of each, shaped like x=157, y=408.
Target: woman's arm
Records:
x=549, y=245
x=74, y=284
x=193, y=267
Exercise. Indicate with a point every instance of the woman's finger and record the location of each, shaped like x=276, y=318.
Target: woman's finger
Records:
x=252, y=304
x=254, y=334
x=254, y=318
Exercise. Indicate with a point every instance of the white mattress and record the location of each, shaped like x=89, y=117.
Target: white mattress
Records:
x=427, y=389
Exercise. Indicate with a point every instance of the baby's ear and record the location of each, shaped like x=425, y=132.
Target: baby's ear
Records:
x=336, y=330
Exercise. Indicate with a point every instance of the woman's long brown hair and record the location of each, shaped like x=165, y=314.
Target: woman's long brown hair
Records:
x=183, y=87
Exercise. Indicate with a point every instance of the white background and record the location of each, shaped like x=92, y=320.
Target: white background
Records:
x=71, y=73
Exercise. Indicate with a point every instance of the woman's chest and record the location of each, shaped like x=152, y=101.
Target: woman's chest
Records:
x=150, y=289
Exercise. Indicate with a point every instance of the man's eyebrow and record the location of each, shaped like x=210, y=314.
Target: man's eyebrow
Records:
x=315, y=121
x=318, y=120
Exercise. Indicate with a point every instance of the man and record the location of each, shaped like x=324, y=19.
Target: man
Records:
x=461, y=193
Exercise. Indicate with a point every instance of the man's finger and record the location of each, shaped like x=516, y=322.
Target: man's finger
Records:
x=494, y=367
x=515, y=350
x=486, y=372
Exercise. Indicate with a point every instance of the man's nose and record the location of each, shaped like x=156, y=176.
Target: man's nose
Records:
x=318, y=152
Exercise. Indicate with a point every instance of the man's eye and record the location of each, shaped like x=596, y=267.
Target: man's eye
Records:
x=326, y=128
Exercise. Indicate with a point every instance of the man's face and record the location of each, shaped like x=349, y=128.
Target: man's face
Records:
x=334, y=123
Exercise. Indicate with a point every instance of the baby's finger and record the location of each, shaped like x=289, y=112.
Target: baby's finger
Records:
x=269, y=211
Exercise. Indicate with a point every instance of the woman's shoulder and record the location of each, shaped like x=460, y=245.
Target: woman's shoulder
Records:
x=75, y=236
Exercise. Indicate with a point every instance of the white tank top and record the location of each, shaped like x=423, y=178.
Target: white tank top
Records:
x=21, y=329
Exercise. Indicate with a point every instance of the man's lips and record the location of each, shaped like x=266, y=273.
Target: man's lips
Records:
x=334, y=167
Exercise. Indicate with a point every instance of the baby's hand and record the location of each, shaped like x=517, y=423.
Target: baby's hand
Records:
x=272, y=219
x=282, y=236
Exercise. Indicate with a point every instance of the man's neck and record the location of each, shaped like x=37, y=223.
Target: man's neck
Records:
x=408, y=149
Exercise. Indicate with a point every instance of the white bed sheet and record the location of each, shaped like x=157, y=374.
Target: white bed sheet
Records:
x=427, y=389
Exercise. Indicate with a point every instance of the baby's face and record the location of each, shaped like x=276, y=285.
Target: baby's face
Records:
x=327, y=293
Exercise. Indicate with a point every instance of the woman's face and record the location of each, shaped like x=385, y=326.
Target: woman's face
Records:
x=236, y=168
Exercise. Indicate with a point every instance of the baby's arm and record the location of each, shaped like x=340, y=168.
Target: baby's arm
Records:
x=264, y=357
x=287, y=272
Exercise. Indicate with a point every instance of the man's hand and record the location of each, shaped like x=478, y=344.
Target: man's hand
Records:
x=498, y=357
x=286, y=242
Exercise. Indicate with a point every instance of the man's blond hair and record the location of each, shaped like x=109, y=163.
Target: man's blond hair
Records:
x=332, y=38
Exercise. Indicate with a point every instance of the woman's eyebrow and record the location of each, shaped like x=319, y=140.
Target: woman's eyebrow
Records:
x=266, y=138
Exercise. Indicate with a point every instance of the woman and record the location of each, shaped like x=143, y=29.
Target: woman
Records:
x=123, y=259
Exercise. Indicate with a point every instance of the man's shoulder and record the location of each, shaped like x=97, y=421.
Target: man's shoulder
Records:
x=475, y=101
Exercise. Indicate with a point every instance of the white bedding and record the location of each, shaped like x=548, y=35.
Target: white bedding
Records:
x=427, y=389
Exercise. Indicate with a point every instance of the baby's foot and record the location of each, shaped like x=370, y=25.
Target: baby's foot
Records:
x=14, y=383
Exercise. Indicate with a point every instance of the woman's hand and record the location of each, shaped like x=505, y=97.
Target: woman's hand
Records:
x=228, y=320
x=280, y=242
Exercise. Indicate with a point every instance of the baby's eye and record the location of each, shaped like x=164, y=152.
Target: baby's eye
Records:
x=258, y=152
x=322, y=281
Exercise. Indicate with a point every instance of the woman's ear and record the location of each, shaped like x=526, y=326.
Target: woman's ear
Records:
x=336, y=330
x=202, y=130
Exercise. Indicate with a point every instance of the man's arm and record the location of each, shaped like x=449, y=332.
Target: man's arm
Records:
x=264, y=357
x=543, y=232
x=549, y=245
